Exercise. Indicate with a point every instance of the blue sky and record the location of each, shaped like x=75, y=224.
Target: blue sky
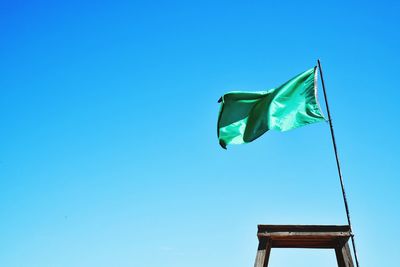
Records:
x=109, y=154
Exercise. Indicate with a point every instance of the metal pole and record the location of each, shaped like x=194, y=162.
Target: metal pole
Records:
x=338, y=163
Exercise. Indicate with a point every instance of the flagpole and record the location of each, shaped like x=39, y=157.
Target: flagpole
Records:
x=338, y=163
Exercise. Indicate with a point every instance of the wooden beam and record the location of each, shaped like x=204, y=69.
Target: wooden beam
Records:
x=304, y=236
x=302, y=228
x=308, y=235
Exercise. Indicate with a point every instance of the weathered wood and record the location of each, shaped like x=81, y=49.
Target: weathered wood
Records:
x=263, y=252
x=343, y=256
x=304, y=236
x=267, y=228
x=302, y=228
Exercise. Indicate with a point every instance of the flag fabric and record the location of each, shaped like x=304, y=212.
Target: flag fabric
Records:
x=245, y=116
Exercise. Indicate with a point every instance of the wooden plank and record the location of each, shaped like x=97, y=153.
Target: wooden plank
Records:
x=263, y=253
x=302, y=228
x=304, y=236
x=311, y=235
x=343, y=256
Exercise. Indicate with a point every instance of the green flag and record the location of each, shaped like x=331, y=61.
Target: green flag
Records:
x=245, y=116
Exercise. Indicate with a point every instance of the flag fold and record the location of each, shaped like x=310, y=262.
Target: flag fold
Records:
x=245, y=116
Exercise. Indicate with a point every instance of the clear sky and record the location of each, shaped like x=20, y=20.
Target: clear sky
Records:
x=108, y=149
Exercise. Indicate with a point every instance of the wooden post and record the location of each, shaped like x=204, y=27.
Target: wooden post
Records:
x=343, y=256
x=263, y=252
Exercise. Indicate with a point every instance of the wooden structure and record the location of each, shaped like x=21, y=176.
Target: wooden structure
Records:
x=304, y=236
